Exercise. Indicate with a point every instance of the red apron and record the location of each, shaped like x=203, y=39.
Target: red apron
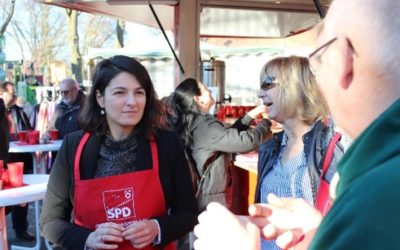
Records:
x=121, y=198
x=324, y=203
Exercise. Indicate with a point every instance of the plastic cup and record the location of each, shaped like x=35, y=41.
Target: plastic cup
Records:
x=5, y=177
x=22, y=136
x=16, y=172
x=53, y=134
x=33, y=137
x=1, y=174
x=1, y=170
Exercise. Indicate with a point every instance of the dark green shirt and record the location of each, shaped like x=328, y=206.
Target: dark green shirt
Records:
x=366, y=213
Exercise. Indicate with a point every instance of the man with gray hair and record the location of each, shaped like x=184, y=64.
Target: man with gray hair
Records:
x=65, y=117
x=356, y=64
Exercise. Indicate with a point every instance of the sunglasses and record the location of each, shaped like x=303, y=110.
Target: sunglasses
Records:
x=268, y=83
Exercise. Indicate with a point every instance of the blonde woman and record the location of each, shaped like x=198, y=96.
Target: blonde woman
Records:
x=290, y=163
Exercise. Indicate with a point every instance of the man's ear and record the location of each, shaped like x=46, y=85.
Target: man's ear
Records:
x=100, y=99
x=345, y=63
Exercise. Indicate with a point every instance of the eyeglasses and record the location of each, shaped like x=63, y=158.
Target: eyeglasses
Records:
x=312, y=56
x=269, y=82
x=65, y=92
x=315, y=60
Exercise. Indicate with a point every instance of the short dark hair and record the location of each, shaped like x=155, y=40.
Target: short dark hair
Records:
x=90, y=118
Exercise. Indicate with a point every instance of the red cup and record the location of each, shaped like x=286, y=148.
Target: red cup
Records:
x=22, y=136
x=53, y=134
x=1, y=169
x=221, y=114
x=5, y=177
x=33, y=137
x=16, y=172
x=228, y=111
x=241, y=111
x=235, y=113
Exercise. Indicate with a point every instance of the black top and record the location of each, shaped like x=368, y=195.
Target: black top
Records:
x=174, y=177
x=67, y=120
x=4, y=131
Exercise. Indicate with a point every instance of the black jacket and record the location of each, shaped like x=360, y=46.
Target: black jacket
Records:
x=4, y=131
x=315, y=144
x=67, y=116
x=174, y=175
x=22, y=119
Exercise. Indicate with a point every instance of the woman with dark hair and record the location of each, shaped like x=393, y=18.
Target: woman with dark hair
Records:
x=123, y=182
x=208, y=143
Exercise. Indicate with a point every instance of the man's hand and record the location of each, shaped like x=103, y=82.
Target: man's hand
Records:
x=288, y=219
x=218, y=228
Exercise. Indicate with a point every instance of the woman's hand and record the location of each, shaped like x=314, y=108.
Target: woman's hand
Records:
x=141, y=233
x=261, y=110
x=105, y=236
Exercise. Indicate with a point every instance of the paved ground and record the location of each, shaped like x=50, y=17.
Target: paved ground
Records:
x=12, y=240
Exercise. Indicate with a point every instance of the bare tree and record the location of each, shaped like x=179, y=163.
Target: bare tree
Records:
x=39, y=29
x=97, y=31
x=8, y=15
x=73, y=41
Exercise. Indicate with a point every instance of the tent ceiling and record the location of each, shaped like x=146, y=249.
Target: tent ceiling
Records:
x=137, y=10
x=129, y=10
x=283, y=5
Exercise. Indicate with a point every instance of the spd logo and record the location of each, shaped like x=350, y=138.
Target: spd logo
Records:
x=119, y=204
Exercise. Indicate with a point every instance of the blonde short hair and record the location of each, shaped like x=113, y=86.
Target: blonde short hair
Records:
x=298, y=93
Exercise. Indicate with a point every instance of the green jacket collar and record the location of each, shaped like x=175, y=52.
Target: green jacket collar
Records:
x=379, y=142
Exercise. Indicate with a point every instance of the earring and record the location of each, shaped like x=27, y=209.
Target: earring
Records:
x=102, y=112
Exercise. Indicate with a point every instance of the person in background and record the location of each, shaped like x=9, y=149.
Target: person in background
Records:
x=4, y=136
x=356, y=65
x=65, y=117
x=290, y=164
x=17, y=120
x=209, y=144
x=131, y=171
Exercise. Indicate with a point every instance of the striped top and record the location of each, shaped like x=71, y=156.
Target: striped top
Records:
x=291, y=179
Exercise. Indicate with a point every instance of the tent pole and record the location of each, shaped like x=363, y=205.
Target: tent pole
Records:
x=319, y=8
x=166, y=38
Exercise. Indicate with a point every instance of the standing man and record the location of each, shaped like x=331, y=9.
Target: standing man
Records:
x=65, y=117
x=356, y=64
x=16, y=120
x=357, y=68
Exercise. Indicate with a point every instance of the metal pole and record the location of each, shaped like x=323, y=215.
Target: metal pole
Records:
x=166, y=38
x=319, y=8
